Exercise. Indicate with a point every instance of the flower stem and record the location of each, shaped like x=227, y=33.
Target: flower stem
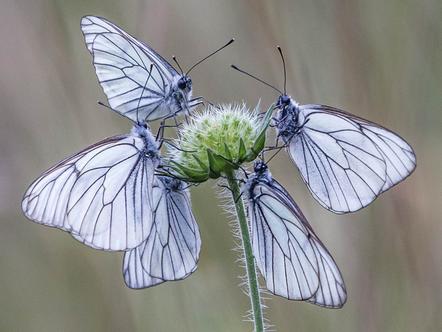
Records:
x=252, y=279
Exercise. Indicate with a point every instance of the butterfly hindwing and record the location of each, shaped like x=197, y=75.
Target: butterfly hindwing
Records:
x=133, y=272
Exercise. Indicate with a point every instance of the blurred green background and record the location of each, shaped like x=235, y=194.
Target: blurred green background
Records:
x=377, y=59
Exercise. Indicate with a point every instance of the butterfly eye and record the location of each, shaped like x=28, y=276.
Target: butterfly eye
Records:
x=145, y=125
x=182, y=83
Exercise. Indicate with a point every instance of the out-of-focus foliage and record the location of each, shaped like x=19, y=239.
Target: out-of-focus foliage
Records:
x=378, y=59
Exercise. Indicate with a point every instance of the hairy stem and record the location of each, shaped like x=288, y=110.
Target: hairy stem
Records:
x=252, y=278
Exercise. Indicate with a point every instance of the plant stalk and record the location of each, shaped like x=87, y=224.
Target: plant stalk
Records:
x=252, y=279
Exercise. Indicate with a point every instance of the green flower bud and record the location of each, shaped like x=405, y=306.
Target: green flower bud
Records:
x=217, y=140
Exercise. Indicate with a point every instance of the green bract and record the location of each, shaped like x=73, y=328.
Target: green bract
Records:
x=218, y=140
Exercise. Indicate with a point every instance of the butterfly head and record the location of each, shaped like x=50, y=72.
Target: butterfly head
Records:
x=261, y=172
x=260, y=167
x=283, y=101
x=184, y=84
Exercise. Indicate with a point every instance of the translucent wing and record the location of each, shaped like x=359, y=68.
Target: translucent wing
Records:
x=133, y=272
x=135, y=78
x=293, y=261
x=93, y=26
x=172, y=247
x=102, y=195
x=344, y=170
x=397, y=153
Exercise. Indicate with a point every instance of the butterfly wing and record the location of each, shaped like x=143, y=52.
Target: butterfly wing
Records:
x=93, y=26
x=133, y=272
x=342, y=167
x=281, y=247
x=102, y=195
x=135, y=79
x=398, y=155
x=293, y=261
x=171, y=250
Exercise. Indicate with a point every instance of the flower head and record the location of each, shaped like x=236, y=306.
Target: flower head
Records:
x=217, y=139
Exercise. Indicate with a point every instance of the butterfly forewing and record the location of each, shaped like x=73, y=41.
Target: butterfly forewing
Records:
x=172, y=247
x=102, y=195
x=93, y=26
x=342, y=167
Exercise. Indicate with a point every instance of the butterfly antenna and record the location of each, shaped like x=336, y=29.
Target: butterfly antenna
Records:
x=113, y=110
x=283, y=65
x=213, y=53
x=256, y=78
x=176, y=61
x=274, y=155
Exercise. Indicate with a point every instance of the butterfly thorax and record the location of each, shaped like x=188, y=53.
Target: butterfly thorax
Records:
x=180, y=93
x=287, y=118
x=150, y=150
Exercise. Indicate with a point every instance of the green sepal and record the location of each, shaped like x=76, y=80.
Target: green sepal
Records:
x=180, y=177
x=190, y=174
x=241, y=151
x=216, y=164
x=268, y=116
x=227, y=152
x=202, y=165
x=260, y=141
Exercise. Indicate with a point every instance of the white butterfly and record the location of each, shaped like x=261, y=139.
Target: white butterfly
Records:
x=294, y=262
x=345, y=161
x=137, y=81
x=103, y=194
x=171, y=250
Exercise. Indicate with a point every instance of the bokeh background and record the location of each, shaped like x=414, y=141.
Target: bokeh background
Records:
x=378, y=59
